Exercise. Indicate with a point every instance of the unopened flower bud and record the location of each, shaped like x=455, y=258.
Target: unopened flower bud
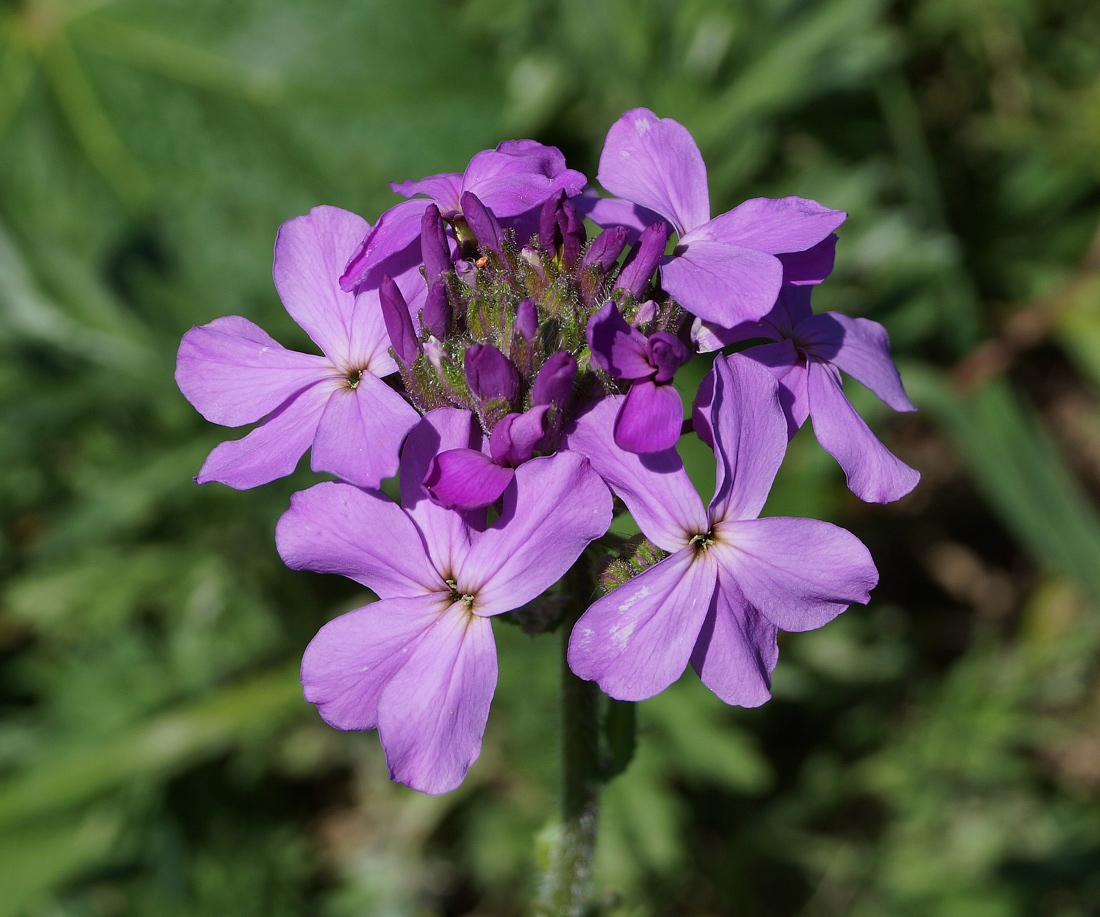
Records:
x=643, y=260
x=555, y=379
x=436, y=314
x=605, y=249
x=433, y=245
x=399, y=323
x=482, y=223
x=527, y=320
x=490, y=374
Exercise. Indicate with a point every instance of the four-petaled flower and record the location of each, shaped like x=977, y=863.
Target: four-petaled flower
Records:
x=420, y=664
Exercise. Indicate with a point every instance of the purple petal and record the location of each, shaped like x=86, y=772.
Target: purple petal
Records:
x=234, y=373
x=750, y=437
x=395, y=232
x=273, y=449
x=466, y=479
x=369, y=347
x=736, y=650
x=637, y=640
x=874, y=473
x=554, y=507
x=667, y=353
x=348, y=664
x=334, y=528
x=310, y=254
x=432, y=714
x=360, y=432
x=786, y=224
x=446, y=532
x=721, y=283
x=655, y=487
x=617, y=349
x=792, y=307
x=788, y=365
x=514, y=438
x=519, y=175
x=655, y=162
x=800, y=573
x=810, y=266
x=650, y=418
x=614, y=211
x=859, y=347
x=444, y=189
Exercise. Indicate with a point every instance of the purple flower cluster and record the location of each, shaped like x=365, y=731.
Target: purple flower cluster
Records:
x=517, y=374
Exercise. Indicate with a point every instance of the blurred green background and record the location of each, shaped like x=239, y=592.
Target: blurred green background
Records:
x=934, y=754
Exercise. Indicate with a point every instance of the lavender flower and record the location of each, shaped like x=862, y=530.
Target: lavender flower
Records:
x=809, y=353
x=234, y=373
x=420, y=664
x=731, y=579
x=725, y=269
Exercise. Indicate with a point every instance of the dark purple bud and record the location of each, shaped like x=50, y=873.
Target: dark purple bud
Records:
x=436, y=314
x=667, y=353
x=514, y=438
x=555, y=379
x=605, y=249
x=490, y=374
x=527, y=320
x=399, y=323
x=433, y=245
x=482, y=223
x=550, y=223
x=573, y=234
x=465, y=479
x=643, y=260
x=647, y=312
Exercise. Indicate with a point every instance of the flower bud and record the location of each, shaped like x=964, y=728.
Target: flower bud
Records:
x=490, y=374
x=605, y=249
x=399, y=323
x=482, y=223
x=643, y=260
x=433, y=245
x=527, y=320
x=555, y=379
x=436, y=314
x=667, y=353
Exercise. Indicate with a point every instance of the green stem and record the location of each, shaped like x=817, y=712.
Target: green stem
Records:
x=567, y=882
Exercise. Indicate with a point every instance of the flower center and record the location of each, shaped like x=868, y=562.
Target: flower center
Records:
x=702, y=541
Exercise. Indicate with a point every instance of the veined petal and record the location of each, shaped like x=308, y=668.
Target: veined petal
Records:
x=447, y=532
x=432, y=713
x=273, y=449
x=637, y=640
x=655, y=162
x=750, y=437
x=721, y=283
x=334, y=528
x=360, y=432
x=874, y=473
x=774, y=225
x=444, y=189
x=518, y=176
x=310, y=254
x=348, y=664
x=466, y=479
x=650, y=418
x=369, y=346
x=736, y=650
x=799, y=573
x=395, y=233
x=783, y=360
x=859, y=347
x=552, y=509
x=234, y=373
x=655, y=487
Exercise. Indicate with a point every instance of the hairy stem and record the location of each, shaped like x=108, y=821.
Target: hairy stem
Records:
x=566, y=884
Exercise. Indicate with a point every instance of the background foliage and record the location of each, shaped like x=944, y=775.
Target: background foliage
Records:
x=935, y=754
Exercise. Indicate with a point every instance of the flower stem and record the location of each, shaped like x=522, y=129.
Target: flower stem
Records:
x=566, y=884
